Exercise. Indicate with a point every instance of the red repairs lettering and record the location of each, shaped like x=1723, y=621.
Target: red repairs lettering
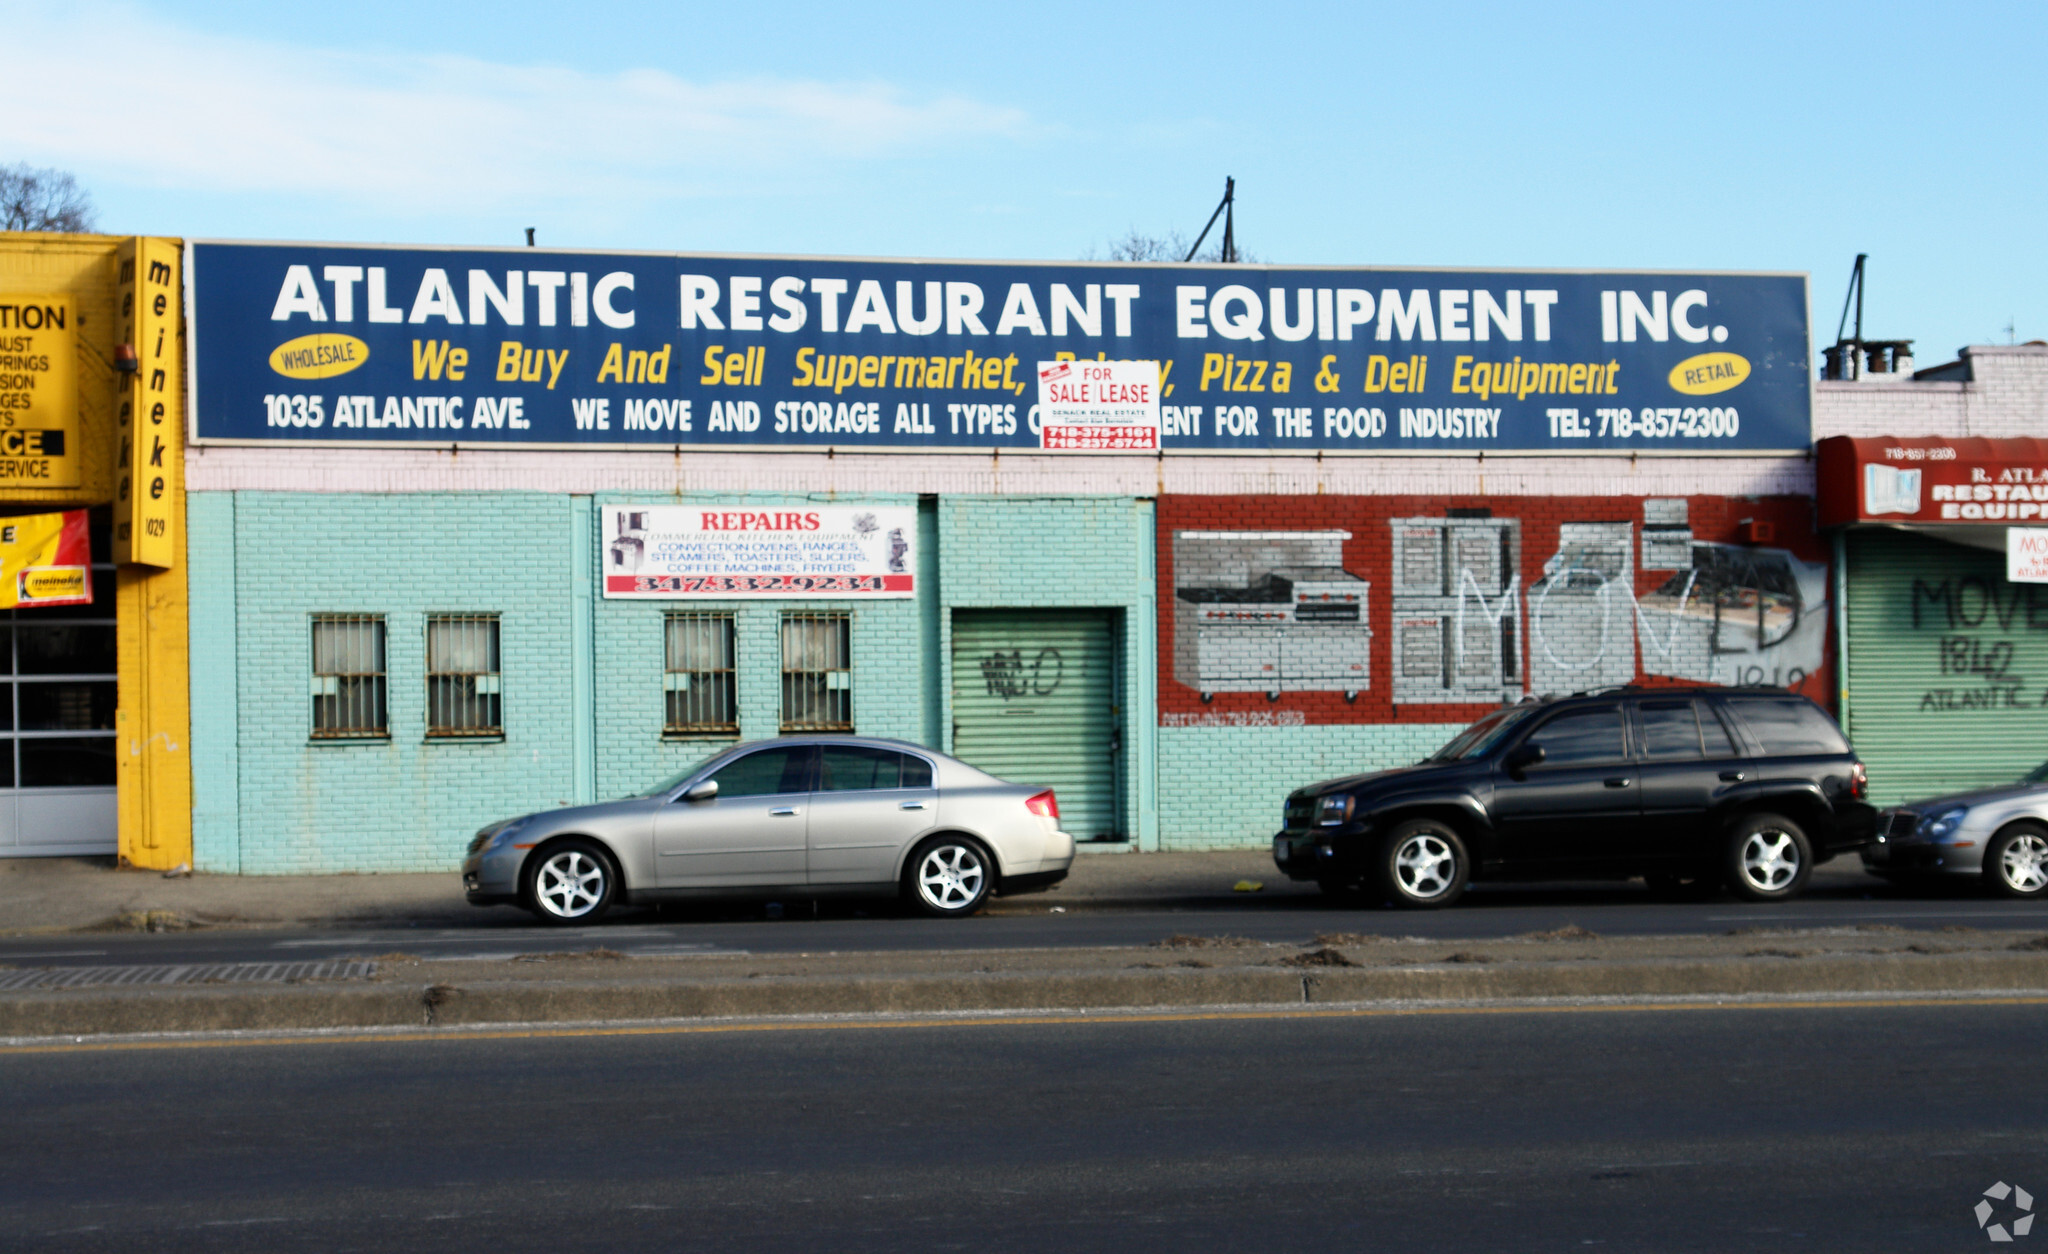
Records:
x=747, y=520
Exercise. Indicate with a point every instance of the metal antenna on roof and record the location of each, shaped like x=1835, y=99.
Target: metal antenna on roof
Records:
x=1854, y=293
x=1852, y=357
x=529, y=237
x=1225, y=211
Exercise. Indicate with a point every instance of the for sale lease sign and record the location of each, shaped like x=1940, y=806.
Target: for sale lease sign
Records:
x=1098, y=405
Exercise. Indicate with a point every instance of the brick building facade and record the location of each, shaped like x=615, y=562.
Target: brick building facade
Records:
x=1239, y=622
x=1941, y=655
x=282, y=535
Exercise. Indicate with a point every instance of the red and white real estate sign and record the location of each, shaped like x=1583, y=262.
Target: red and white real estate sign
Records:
x=726, y=551
x=1098, y=406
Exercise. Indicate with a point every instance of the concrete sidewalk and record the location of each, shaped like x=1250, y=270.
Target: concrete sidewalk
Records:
x=65, y=894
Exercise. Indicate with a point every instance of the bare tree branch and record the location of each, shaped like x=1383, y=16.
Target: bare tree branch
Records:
x=1135, y=245
x=42, y=200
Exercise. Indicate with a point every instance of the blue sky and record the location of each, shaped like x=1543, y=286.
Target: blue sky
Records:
x=1767, y=136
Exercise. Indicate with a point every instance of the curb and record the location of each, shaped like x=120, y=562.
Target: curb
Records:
x=128, y=1011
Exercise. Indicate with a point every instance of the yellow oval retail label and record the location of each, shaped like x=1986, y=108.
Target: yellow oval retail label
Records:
x=1705, y=374
x=321, y=356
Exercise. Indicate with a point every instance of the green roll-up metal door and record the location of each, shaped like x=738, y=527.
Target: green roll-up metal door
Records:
x=1035, y=702
x=1947, y=666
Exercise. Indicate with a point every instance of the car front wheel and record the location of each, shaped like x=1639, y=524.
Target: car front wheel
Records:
x=1768, y=858
x=1423, y=865
x=2016, y=861
x=573, y=882
x=949, y=876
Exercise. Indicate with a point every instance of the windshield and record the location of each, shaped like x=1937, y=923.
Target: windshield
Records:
x=2039, y=775
x=675, y=781
x=1482, y=735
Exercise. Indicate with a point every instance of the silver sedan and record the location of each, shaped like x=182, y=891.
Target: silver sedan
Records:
x=1997, y=834
x=815, y=815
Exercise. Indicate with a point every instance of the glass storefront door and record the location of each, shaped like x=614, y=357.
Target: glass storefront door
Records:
x=57, y=667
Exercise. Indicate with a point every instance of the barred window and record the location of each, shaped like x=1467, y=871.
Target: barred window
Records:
x=698, y=684
x=348, y=676
x=817, y=672
x=463, y=690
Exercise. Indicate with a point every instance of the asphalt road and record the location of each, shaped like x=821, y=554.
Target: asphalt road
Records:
x=1753, y=1129
x=1839, y=897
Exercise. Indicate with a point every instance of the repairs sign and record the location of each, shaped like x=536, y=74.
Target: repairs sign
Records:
x=722, y=551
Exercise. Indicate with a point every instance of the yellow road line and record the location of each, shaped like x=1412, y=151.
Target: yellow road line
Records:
x=76, y=1045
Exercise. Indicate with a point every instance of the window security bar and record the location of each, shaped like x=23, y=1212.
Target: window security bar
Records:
x=464, y=691
x=699, y=686
x=817, y=672
x=348, y=676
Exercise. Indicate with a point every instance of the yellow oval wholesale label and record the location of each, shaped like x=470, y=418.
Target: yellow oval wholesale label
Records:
x=321, y=356
x=1703, y=375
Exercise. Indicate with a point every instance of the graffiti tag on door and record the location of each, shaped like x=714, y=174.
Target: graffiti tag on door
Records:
x=1009, y=676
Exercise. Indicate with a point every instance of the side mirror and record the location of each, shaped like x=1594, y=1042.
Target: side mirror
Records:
x=1522, y=757
x=702, y=790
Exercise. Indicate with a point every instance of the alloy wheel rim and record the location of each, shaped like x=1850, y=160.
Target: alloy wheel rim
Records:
x=570, y=884
x=1425, y=866
x=950, y=876
x=2024, y=864
x=1770, y=859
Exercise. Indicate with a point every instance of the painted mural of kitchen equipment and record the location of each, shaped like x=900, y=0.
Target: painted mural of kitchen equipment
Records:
x=1667, y=534
x=1582, y=612
x=1271, y=612
x=1457, y=609
x=1739, y=615
x=628, y=549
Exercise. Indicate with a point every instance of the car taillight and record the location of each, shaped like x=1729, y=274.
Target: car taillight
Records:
x=1044, y=805
x=1859, y=782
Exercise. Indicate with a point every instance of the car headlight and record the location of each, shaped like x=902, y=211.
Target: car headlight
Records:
x=1942, y=823
x=495, y=837
x=1334, y=810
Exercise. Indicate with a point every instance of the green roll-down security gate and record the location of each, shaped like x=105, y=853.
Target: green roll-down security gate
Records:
x=1035, y=702
x=1947, y=666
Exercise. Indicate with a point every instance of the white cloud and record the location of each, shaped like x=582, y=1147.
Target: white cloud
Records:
x=171, y=107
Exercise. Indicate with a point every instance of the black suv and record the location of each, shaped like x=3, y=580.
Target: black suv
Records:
x=1744, y=786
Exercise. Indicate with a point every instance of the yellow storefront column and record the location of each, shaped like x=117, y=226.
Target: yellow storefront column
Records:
x=153, y=756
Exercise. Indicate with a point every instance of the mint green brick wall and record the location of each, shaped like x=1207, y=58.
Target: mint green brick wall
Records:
x=1062, y=552
x=267, y=800
x=631, y=754
x=1222, y=787
x=405, y=804
x=210, y=566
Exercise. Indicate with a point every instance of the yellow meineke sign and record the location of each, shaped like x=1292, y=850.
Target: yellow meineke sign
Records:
x=38, y=392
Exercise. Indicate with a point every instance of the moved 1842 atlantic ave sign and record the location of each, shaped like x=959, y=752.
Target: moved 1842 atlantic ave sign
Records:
x=334, y=344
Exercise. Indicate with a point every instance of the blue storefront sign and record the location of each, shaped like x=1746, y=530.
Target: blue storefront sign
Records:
x=342, y=344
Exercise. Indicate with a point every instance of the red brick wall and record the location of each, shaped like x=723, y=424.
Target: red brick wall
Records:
x=1555, y=626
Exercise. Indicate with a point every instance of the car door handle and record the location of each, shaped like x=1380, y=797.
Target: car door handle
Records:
x=1733, y=777
x=1621, y=782
x=783, y=812
x=911, y=805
